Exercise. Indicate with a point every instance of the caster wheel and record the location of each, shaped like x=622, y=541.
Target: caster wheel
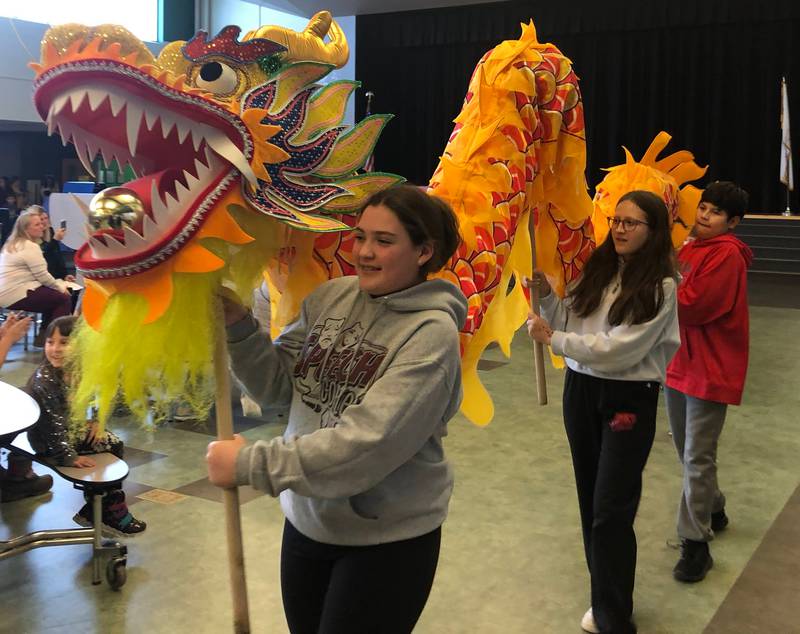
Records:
x=116, y=573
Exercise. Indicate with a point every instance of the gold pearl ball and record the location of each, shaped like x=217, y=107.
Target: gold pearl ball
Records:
x=115, y=206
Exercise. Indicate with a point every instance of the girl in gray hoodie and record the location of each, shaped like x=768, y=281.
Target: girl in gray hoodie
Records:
x=371, y=371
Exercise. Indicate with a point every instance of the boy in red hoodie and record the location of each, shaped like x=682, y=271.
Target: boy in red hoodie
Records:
x=708, y=371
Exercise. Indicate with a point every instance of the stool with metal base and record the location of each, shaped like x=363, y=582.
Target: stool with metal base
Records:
x=107, y=474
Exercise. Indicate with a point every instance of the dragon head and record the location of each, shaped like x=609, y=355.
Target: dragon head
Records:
x=661, y=176
x=236, y=149
x=209, y=126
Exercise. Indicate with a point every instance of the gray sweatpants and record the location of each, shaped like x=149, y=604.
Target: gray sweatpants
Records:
x=696, y=427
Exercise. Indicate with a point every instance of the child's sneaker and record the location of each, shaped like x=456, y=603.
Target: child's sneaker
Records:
x=117, y=519
x=127, y=525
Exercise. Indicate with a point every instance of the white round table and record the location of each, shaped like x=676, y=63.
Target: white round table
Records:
x=19, y=410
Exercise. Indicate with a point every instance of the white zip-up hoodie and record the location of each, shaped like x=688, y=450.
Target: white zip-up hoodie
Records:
x=626, y=352
x=372, y=383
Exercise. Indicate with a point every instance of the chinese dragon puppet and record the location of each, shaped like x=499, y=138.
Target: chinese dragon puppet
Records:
x=243, y=165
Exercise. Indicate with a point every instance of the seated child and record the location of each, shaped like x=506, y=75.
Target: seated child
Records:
x=50, y=438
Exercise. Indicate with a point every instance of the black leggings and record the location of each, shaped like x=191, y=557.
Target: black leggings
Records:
x=379, y=589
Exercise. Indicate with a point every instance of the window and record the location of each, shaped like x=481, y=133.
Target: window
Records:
x=140, y=18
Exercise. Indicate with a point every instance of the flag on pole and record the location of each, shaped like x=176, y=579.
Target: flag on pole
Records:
x=369, y=166
x=787, y=171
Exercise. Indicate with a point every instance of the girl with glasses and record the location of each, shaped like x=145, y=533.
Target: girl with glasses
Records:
x=617, y=328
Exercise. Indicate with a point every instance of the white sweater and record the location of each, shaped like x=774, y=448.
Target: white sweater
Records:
x=626, y=352
x=24, y=270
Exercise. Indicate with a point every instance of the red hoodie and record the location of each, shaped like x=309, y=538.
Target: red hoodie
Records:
x=712, y=310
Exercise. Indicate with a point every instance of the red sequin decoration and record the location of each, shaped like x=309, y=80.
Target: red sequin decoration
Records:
x=226, y=44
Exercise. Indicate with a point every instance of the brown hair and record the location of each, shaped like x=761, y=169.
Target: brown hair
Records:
x=427, y=219
x=641, y=291
x=64, y=325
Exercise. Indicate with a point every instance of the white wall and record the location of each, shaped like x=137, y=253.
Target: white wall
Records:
x=140, y=19
x=19, y=44
x=16, y=79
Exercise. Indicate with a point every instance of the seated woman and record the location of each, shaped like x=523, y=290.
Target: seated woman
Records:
x=51, y=246
x=25, y=283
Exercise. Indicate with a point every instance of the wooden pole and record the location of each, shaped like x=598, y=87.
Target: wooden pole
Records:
x=538, y=348
x=233, y=521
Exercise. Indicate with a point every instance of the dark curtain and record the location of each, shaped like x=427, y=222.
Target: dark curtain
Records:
x=707, y=72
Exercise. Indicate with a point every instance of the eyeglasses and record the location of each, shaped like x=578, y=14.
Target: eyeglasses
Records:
x=628, y=224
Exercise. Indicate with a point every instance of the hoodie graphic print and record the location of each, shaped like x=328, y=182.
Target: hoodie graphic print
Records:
x=335, y=368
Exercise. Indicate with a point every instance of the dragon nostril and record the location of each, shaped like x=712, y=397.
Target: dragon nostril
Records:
x=114, y=207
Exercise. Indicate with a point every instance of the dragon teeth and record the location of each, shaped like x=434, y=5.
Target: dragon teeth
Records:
x=133, y=119
x=150, y=118
x=59, y=103
x=167, y=123
x=158, y=206
x=191, y=181
x=51, y=120
x=183, y=129
x=110, y=249
x=116, y=102
x=133, y=239
x=223, y=146
x=86, y=158
x=96, y=97
x=76, y=99
x=149, y=230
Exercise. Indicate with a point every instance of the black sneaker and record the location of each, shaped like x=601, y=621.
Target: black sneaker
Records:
x=12, y=490
x=719, y=521
x=694, y=563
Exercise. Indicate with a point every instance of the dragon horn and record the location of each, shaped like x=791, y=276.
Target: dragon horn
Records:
x=309, y=46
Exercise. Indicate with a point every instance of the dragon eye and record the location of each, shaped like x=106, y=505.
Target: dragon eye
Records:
x=217, y=77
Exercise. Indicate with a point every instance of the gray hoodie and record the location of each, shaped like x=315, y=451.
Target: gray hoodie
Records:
x=372, y=383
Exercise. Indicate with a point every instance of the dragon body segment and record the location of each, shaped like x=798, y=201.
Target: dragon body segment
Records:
x=514, y=162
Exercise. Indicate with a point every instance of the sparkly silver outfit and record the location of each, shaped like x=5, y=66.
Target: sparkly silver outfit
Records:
x=50, y=436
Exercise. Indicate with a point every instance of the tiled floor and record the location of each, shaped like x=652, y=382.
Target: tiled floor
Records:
x=512, y=561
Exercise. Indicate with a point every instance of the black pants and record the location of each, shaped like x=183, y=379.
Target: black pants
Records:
x=609, y=451
x=356, y=589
